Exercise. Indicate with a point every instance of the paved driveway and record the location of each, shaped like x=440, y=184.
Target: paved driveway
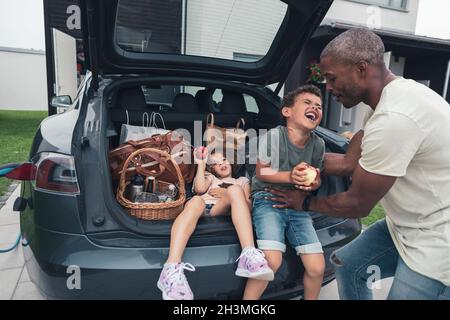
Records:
x=16, y=285
x=330, y=291
x=14, y=281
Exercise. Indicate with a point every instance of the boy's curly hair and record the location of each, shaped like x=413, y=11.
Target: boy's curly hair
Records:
x=289, y=99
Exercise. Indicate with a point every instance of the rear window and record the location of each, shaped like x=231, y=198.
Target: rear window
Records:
x=251, y=104
x=162, y=97
x=240, y=30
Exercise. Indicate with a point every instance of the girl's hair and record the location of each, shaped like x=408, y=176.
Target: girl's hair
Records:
x=211, y=170
x=210, y=167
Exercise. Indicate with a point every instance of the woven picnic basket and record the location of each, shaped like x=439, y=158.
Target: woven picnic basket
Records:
x=152, y=211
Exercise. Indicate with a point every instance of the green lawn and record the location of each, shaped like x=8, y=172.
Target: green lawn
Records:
x=17, y=129
x=376, y=214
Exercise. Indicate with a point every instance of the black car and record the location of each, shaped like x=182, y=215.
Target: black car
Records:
x=72, y=220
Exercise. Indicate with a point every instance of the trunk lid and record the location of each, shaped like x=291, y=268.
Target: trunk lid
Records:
x=252, y=41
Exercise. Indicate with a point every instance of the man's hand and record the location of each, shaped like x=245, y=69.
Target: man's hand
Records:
x=299, y=176
x=287, y=198
x=217, y=192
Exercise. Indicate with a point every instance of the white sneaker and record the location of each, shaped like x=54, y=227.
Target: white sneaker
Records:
x=253, y=264
x=173, y=283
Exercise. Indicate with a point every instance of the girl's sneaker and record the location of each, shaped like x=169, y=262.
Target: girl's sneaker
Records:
x=173, y=283
x=253, y=264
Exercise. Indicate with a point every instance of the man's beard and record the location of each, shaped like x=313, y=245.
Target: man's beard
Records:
x=352, y=97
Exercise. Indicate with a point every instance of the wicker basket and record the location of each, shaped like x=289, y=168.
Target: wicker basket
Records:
x=152, y=211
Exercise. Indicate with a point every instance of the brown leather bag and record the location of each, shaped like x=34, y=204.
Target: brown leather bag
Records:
x=171, y=142
x=225, y=140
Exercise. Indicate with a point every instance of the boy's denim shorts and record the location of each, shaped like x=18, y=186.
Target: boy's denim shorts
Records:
x=274, y=225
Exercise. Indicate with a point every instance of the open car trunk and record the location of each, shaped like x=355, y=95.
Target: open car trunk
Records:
x=125, y=38
x=140, y=95
x=183, y=104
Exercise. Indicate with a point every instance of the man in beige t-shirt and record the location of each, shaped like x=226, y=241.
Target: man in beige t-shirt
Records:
x=408, y=137
x=404, y=163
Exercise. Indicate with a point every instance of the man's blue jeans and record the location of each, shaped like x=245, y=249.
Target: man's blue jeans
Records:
x=373, y=256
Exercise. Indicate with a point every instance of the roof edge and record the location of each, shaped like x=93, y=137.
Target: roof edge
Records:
x=21, y=50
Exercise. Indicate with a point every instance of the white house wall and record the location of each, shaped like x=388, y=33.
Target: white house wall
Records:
x=23, y=81
x=360, y=14
x=212, y=31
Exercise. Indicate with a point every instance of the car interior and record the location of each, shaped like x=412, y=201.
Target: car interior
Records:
x=181, y=105
x=181, y=109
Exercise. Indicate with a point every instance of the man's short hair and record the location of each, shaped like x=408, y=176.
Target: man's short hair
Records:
x=289, y=99
x=354, y=45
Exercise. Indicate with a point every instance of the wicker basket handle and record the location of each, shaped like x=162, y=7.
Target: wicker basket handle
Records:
x=162, y=164
x=161, y=157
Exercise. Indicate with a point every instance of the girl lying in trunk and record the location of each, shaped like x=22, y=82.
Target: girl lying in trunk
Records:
x=217, y=193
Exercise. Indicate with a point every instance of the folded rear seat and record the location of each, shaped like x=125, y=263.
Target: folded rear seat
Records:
x=205, y=101
x=185, y=110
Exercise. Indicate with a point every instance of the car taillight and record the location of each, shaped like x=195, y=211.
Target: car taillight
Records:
x=56, y=172
x=24, y=171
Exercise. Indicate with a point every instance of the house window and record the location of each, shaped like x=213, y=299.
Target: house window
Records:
x=393, y=4
x=245, y=57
